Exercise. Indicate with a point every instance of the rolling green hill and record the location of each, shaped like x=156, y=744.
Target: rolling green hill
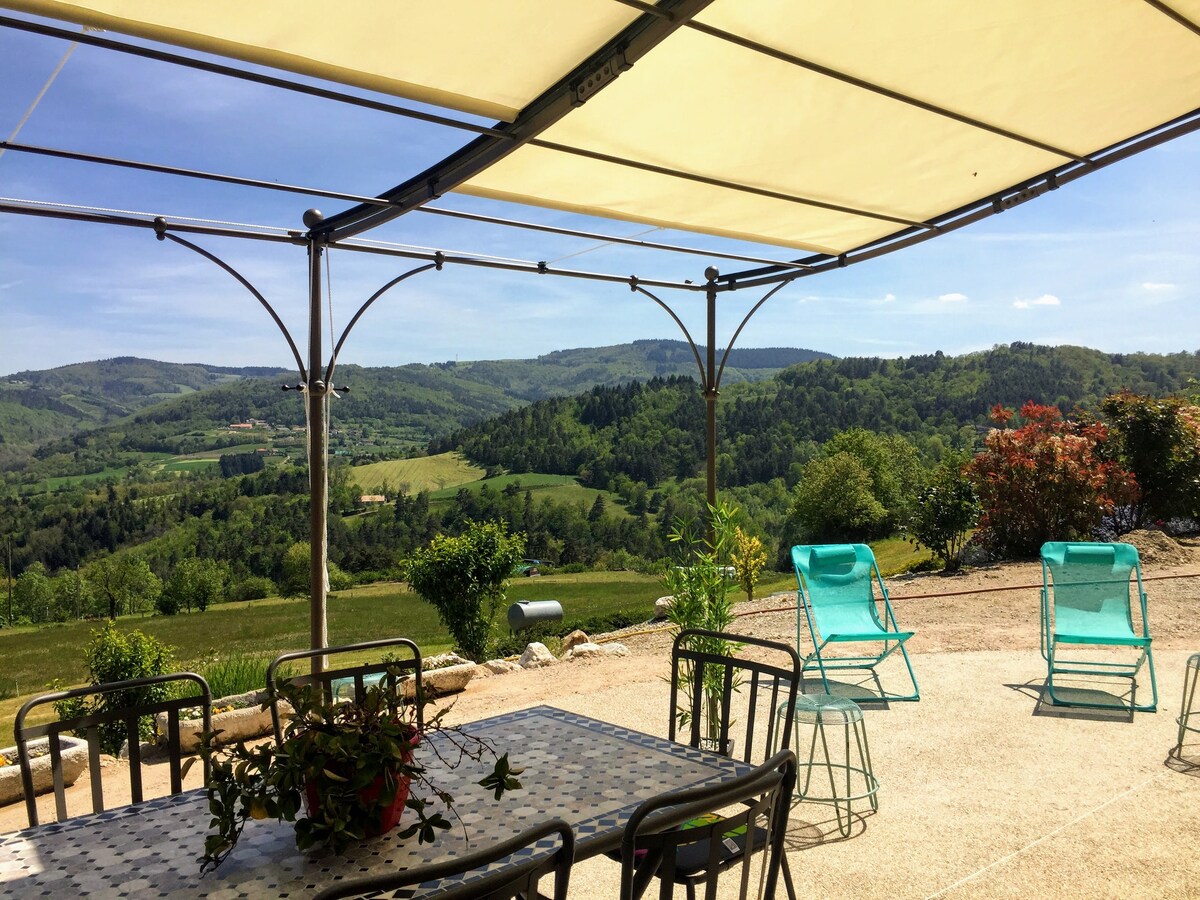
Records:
x=653, y=432
x=92, y=417
x=36, y=407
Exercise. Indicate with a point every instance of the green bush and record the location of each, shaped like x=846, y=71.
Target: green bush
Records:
x=252, y=588
x=464, y=578
x=114, y=656
x=945, y=511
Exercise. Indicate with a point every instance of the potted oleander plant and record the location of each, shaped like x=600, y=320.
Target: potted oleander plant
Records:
x=345, y=772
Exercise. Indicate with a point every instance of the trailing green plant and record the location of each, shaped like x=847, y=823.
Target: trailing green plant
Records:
x=114, y=656
x=699, y=587
x=464, y=578
x=338, y=772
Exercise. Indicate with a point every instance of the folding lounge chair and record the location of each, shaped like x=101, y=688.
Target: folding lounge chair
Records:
x=837, y=598
x=1086, y=587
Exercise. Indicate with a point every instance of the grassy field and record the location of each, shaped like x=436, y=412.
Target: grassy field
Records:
x=896, y=554
x=188, y=465
x=559, y=488
x=426, y=473
x=114, y=474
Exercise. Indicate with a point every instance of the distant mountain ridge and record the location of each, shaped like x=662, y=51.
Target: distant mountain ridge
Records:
x=160, y=401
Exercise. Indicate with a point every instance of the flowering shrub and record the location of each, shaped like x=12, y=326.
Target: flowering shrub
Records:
x=1049, y=479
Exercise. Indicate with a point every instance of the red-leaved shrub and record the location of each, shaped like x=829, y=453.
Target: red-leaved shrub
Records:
x=1048, y=480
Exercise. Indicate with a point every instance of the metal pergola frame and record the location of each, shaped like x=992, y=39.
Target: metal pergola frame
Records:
x=492, y=143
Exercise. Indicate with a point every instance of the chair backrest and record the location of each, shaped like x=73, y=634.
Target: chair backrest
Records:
x=125, y=705
x=732, y=693
x=835, y=586
x=515, y=877
x=350, y=681
x=751, y=811
x=1089, y=584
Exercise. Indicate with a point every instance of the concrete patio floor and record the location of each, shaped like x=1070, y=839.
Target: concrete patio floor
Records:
x=985, y=791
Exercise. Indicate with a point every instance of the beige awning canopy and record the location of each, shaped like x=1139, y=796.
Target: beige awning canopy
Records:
x=821, y=125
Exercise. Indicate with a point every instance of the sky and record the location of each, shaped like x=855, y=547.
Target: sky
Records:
x=1111, y=261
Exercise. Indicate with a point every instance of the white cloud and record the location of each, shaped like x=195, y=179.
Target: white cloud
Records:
x=955, y=297
x=889, y=298
x=1157, y=286
x=1044, y=300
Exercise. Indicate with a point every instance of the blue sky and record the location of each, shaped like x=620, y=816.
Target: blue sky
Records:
x=1111, y=261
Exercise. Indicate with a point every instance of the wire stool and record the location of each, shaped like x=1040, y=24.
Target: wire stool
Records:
x=1188, y=707
x=854, y=777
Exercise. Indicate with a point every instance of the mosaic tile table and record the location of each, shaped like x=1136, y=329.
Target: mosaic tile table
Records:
x=591, y=773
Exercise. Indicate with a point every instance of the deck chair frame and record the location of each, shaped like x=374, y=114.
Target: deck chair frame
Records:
x=886, y=630
x=1051, y=554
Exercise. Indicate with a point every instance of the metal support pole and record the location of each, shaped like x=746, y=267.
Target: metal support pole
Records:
x=318, y=479
x=710, y=388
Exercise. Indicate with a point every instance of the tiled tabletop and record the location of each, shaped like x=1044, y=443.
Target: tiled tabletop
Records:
x=591, y=773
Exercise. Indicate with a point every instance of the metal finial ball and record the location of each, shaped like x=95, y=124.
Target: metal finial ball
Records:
x=313, y=218
x=711, y=273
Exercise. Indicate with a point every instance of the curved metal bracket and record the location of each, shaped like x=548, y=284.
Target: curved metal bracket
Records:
x=728, y=347
x=163, y=234
x=634, y=286
x=362, y=309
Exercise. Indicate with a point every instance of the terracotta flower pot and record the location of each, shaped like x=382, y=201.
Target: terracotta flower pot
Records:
x=389, y=816
x=368, y=796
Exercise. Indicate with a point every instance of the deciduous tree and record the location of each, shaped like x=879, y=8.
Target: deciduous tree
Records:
x=464, y=578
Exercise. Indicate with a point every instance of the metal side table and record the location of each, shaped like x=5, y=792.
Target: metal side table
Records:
x=848, y=773
x=1188, y=710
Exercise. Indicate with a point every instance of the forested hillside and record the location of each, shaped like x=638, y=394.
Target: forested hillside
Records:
x=42, y=405
x=653, y=431
x=90, y=417
x=827, y=449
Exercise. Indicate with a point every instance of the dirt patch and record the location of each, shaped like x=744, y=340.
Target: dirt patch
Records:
x=1157, y=547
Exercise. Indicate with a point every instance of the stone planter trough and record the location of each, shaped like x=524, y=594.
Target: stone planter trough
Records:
x=74, y=760
x=238, y=724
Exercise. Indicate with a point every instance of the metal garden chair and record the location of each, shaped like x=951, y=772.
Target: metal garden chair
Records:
x=518, y=864
x=350, y=681
x=692, y=836
x=837, y=597
x=133, y=708
x=736, y=695
x=1086, y=602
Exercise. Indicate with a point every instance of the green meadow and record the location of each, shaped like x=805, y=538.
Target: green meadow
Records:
x=425, y=473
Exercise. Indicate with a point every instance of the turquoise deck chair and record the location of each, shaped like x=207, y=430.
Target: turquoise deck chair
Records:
x=836, y=594
x=1086, y=602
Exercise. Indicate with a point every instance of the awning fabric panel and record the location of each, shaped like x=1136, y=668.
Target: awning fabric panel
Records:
x=485, y=57
x=1077, y=75
x=800, y=158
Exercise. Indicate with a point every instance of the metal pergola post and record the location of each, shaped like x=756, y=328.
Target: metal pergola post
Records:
x=318, y=476
x=711, y=393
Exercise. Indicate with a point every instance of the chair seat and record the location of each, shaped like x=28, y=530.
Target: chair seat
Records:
x=692, y=859
x=879, y=635
x=1110, y=640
